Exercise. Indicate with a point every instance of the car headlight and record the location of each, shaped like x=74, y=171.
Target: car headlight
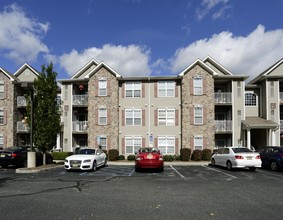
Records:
x=87, y=161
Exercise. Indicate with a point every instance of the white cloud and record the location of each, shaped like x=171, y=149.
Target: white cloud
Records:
x=242, y=55
x=207, y=6
x=129, y=60
x=20, y=36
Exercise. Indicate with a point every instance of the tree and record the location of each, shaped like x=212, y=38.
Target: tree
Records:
x=46, y=112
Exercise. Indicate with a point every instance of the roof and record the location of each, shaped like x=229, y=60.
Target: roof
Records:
x=202, y=64
x=84, y=68
x=25, y=66
x=8, y=74
x=97, y=68
x=259, y=123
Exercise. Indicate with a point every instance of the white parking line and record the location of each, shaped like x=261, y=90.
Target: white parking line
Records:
x=177, y=172
x=84, y=173
x=218, y=171
x=131, y=173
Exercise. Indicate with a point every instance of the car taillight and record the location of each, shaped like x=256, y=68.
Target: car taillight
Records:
x=257, y=157
x=239, y=157
x=14, y=155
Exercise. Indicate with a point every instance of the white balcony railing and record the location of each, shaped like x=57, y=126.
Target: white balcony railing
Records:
x=281, y=126
x=22, y=127
x=80, y=99
x=223, y=125
x=223, y=97
x=21, y=101
x=80, y=125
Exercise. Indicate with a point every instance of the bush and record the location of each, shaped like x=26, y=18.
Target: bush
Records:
x=206, y=154
x=185, y=154
x=197, y=155
x=113, y=154
x=168, y=158
x=121, y=157
x=61, y=155
x=131, y=157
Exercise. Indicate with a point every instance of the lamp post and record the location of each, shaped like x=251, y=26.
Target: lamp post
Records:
x=31, y=156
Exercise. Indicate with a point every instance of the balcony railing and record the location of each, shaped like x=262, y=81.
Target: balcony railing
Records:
x=80, y=99
x=80, y=125
x=281, y=96
x=22, y=127
x=281, y=126
x=21, y=101
x=223, y=125
x=223, y=97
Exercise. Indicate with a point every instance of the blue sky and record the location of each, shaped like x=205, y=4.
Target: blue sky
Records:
x=141, y=37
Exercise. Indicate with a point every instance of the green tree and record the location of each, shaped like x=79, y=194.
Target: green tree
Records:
x=46, y=112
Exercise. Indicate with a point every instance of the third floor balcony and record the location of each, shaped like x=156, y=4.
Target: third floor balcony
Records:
x=80, y=100
x=223, y=126
x=223, y=98
x=21, y=101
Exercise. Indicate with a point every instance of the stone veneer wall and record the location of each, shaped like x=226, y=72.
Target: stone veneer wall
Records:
x=7, y=104
x=188, y=102
x=111, y=101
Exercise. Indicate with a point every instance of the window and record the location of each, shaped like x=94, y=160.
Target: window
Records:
x=239, y=89
x=2, y=90
x=102, y=87
x=198, y=115
x=133, y=144
x=239, y=117
x=133, y=89
x=166, y=145
x=1, y=116
x=272, y=89
x=166, y=89
x=198, y=84
x=65, y=92
x=250, y=99
x=102, y=116
x=166, y=117
x=1, y=141
x=103, y=143
x=198, y=142
x=133, y=116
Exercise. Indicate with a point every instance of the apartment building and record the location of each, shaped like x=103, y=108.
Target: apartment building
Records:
x=204, y=106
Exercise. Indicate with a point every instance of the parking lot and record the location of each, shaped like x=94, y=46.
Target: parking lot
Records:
x=118, y=192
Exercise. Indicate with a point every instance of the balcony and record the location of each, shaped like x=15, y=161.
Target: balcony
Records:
x=281, y=97
x=281, y=126
x=223, y=98
x=22, y=127
x=223, y=125
x=80, y=126
x=80, y=100
x=21, y=101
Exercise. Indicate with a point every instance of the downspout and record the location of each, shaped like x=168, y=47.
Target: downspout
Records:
x=149, y=112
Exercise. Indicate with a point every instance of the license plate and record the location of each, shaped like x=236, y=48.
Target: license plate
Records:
x=149, y=156
x=75, y=165
x=249, y=158
x=2, y=155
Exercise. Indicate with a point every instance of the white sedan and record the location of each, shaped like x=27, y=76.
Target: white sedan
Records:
x=236, y=157
x=86, y=159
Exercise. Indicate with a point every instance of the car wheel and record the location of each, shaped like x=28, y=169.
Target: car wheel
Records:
x=161, y=169
x=94, y=166
x=274, y=166
x=213, y=162
x=229, y=165
x=252, y=169
x=105, y=163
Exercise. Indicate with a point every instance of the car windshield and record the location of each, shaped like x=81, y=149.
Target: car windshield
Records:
x=148, y=150
x=86, y=151
x=241, y=150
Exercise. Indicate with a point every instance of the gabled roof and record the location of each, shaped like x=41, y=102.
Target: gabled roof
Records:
x=266, y=72
x=8, y=74
x=217, y=65
x=202, y=64
x=102, y=64
x=84, y=68
x=26, y=66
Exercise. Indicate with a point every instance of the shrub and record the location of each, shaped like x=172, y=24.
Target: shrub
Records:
x=206, y=154
x=168, y=158
x=61, y=155
x=197, y=155
x=185, y=154
x=113, y=154
x=131, y=157
x=121, y=157
x=176, y=157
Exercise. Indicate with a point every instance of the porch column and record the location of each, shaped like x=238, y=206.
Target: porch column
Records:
x=273, y=138
x=249, y=138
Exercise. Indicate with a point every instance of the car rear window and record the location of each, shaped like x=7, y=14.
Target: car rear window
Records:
x=148, y=150
x=241, y=150
x=12, y=148
x=86, y=151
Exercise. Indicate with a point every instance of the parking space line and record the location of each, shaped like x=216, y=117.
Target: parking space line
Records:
x=84, y=173
x=269, y=173
x=177, y=172
x=218, y=171
x=131, y=173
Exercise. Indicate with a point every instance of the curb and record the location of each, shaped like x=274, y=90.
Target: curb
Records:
x=38, y=169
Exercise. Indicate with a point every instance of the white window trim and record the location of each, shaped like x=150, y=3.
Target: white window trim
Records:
x=102, y=116
x=198, y=106
x=196, y=87
x=132, y=110
x=256, y=100
x=133, y=139
x=198, y=138
x=133, y=86
x=166, y=146
x=166, y=88
x=102, y=88
x=166, y=116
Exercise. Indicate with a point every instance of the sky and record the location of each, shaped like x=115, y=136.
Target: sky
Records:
x=141, y=37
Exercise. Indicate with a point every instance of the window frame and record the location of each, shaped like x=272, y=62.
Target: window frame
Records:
x=166, y=89
x=102, y=115
x=136, y=144
x=198, y=85
x=102, y=87
x=198, y=115
x=133, y=88
x=251, y=99
x=133, y=113
x=198, y=142
x=168, y=121
x=165, y=146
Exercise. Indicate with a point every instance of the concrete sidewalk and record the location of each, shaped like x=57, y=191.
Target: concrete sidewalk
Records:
x=111, y=163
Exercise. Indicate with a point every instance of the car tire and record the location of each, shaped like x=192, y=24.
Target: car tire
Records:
x=213, y=162
x=94, y=166
x=229, y=165
x=105, y=163
x=252, y=169
x=161, y=169
x=273, y=166
x=137, y=169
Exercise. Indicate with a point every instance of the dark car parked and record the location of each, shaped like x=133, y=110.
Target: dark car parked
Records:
x=271, y=157
x=17, y=156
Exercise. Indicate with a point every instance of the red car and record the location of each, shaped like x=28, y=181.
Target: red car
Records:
x=149, y=158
